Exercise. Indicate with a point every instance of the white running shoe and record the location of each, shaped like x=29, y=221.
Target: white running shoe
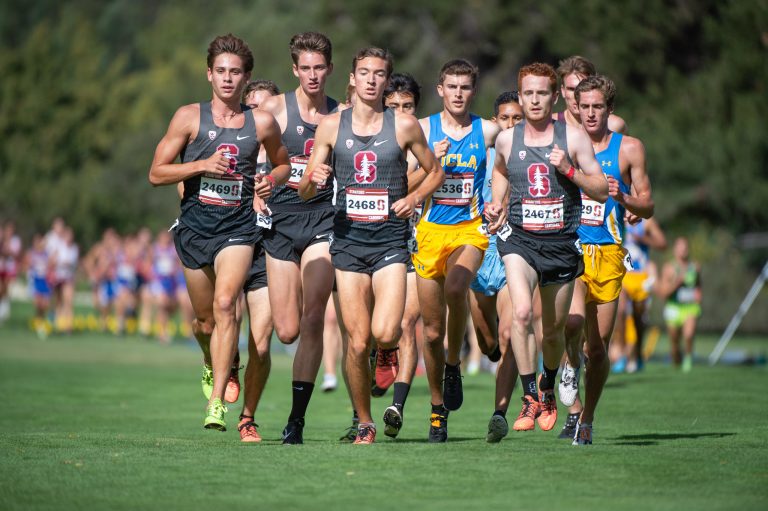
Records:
x=568, y=389
x=497, y=429
x=583, y=435
x=329, y=383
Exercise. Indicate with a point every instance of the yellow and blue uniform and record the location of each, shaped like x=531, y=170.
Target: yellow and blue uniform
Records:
x=452, y=216
x=602, y=232
x=637, y=283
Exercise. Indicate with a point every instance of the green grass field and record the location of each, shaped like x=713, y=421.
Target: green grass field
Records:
x=93, y=421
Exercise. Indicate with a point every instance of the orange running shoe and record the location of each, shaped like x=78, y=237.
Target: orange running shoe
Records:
x=548, y=415
x=387, y=366
x=366, y=434
x=232, y=392
x=526, y=420
x=247, y=429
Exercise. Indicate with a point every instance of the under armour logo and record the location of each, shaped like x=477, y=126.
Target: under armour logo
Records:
x=606, y=163
x=474, y=146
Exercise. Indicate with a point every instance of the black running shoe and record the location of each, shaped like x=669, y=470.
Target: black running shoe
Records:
x=393, y=420
x=453, y=394
x=377, y=391
x=293, y=434
x=495, y=355
x=438, y=428
x=569, y=428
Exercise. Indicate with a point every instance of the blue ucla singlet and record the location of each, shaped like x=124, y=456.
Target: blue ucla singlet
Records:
x=603, y=224
x=461, y=196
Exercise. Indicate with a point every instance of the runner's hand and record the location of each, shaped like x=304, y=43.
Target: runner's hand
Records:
x=321, y=173
x=558, y=159
x=405, y=207
x=217, y=164
x=441, y=148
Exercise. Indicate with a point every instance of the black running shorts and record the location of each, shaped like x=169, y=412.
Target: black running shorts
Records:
x=556, y=259
x=197, y=251
x=350, y=256
x=292, y=232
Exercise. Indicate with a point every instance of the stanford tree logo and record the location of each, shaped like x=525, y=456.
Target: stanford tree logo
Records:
x=365, y=167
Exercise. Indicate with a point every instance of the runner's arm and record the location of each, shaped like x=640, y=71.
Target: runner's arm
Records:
x=639, y=202
x=589, y=176
x=496, y=211
x=164, y=171
x=268, y=132
x=414, y=140
x=318, y=170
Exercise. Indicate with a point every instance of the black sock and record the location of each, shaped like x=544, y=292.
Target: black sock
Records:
x=529, y=385
x=236, y=360
x=302, y=392
x=503, y=413
x=449, y=369
x=440, y=410
x=548, y=378
x=401, y=394
x=355, y=417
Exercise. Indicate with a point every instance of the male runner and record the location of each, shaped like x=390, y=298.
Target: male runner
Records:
x=490, y=305
x=257, y=300
x=539, y=157
x=596, y=293
x=571, y=71
x=298, y=261
x=680, y=285
x=636, y=293
x=370, y=232
x=450, y=243
x=402, y=95
x=218, y=142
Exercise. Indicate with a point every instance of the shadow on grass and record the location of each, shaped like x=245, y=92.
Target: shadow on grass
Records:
x=654, y=438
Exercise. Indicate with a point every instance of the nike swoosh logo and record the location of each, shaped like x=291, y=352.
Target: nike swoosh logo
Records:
x=321, y=236
x=377, y=144
x=234, y=239
x=298, y=388
x=547, y=155
x=563, y=275
x=390, y=257
x=243, y=138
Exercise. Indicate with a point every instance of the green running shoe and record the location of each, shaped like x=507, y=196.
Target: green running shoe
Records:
x=215, y=416
x=207, y=381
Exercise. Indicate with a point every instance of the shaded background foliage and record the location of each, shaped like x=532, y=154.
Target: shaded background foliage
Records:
x=88, y=89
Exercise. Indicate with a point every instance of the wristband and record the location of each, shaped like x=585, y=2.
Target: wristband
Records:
x=570, y=173
x=271, y=180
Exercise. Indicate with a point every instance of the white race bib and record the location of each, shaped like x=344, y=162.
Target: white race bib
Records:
x=457, y=190
x=298, y=167
x=367, y=204
x=543, y=214
x=504, y=232
x=221, y=190
x=592, y=212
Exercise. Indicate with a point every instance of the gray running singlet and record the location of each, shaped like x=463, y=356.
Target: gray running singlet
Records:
x=371, y=175
x=299, y=139
x=542, y=200
x=220, y=204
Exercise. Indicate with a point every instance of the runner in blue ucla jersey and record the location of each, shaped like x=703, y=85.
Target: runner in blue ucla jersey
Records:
x=449, y=238
x=536, y=163
x=571, y=71
x=601, y=231
x=369, y=248
x=218, y=142
x=298, y=234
